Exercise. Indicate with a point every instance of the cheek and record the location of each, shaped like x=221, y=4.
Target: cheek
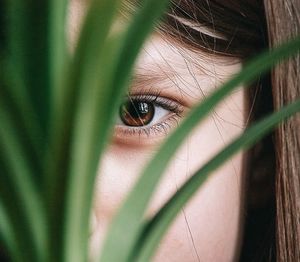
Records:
x=209, y=226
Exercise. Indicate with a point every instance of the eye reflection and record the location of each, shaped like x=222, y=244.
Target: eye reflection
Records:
x=137, y=113
x=147, y=115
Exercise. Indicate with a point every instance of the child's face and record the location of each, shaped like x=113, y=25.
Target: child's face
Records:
x=171, y=78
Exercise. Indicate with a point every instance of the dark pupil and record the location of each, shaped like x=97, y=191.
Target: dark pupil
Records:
x=137, y=113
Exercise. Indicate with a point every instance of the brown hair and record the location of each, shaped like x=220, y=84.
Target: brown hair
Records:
x=283, y=21
x=241, y=29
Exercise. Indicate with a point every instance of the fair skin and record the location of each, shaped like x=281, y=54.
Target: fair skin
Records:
x=209, y=227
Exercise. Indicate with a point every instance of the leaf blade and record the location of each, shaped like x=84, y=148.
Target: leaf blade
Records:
x=18, y=177
x=142, y=25
x=71, y=225
x=154, y=230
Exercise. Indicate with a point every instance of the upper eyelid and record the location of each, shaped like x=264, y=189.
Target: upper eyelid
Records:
x=157, y=130
x=162, y=101
x=167, y=93
x=158, y=99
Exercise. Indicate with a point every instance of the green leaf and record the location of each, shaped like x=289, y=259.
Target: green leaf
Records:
x=69, y=182
x=154, y=230
x=127, y=225
x=58, y=57
x=18, y=192
x=7, y=235
x=18, y=107
x=16, y=58
x=28, y=46
x=34, y=57
x=102, y=87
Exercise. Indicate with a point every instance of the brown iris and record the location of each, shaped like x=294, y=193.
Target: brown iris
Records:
x=137, y=113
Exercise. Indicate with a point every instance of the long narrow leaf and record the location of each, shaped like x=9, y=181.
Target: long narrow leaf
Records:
x=58, y=57
x=7, y=235
x=142, y=25
x=17, y=177
x=18, y=106
x=69, y=220
x=29, y=53
x=154, y=230
x=26, y=126
x=93, y=120
x=129, y=217
x=16, y=235
x=89, y=140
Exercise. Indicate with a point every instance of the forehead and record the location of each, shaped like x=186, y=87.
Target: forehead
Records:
x=164, y=62
x=168, y=57
x=171, y=67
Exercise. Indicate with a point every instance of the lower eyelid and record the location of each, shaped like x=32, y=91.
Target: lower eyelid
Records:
x=147, y=135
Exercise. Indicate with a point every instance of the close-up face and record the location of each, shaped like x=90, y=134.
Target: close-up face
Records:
x=149, y=130
x=170, y=79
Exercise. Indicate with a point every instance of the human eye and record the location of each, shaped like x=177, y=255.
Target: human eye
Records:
x=147, y=116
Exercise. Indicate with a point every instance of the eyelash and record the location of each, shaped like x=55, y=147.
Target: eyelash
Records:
x=162, y=127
